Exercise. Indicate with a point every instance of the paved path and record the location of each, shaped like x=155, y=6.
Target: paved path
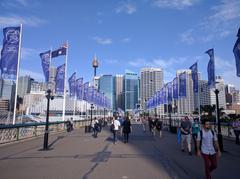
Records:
x=79, y=155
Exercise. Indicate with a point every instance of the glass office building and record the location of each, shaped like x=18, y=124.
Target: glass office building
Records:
x=106, y=86
x=131, y=83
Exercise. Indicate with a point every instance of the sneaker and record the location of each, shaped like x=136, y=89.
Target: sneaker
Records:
x=190, y=153
x=182, y=150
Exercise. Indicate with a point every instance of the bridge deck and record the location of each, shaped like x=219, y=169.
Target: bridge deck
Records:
x=79, y=155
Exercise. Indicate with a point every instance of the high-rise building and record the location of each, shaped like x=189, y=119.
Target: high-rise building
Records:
x=186, y=104
x=204, y=93
x=24, y=85
x=7, y=91
x=151, y=82
x=119, y=91
x=236, y=97
x=221, y=96
x=106, y=86
x=130, y=91
x=229, y=90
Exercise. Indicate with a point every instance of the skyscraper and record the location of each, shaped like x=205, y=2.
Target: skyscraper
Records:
x=186, y=104
x=7, y=91
x=151, y=82
x=119, y=91
x=130, y=91
x=106, y=86
x=24, y=85
x=204, y=93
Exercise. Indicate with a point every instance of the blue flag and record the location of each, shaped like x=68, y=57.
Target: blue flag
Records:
x=60, y=76
x=211, y=68
x=236, y=51
x=61, y=51
x=169, y=88
x=85, y=91
x=9, y=53
x=164, y=95
x=183, y=85
x=79, y=88
x=45, y=57
x=72, y=84
x=175, y=88
x=194, y=69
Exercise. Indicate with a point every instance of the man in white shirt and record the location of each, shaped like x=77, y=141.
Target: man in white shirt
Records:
x=117, y=125
x=207, y=144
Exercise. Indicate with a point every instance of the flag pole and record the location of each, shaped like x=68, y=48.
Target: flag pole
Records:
x=199, y=105
x=75, y=99
x=18, y=65
x=49, y=69
x=65, y=81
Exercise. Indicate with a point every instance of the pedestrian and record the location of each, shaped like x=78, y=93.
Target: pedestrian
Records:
x=95, y=127
x=116, y=126
x=159, y=126
x=152, y=126
x=127, y=128
x=186, y=132
x=236, y=130
x=195, y=131
x=207, y=145
x=144, y=123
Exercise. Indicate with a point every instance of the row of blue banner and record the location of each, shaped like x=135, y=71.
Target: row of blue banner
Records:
x=85, y=92
x=175, y=89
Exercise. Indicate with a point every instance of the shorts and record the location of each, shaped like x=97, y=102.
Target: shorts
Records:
x=186, y=137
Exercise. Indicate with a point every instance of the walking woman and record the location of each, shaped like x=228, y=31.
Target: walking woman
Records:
x=127, y=128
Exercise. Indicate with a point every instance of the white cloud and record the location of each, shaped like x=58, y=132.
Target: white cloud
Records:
x=187, y=37
x=158, y=62
x=16, y=20
x=126, y=7
x=35, y=75
x=222, y=22
x=102, y=41
x=19, y=3
x=126, y=40
x=29, y=53
x=222, y=64
x=111, y=61
x=174, y=4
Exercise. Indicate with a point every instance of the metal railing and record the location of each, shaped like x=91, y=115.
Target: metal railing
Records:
x=10, y=133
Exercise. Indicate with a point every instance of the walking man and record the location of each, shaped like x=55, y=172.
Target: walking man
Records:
x=127, y=128
x=116, y=127
x=186, y=134
x=207, y=145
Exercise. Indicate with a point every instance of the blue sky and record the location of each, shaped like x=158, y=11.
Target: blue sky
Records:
x=127, y=34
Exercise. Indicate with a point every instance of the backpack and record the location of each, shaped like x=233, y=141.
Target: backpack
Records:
x=112, y=127
x=201, y=136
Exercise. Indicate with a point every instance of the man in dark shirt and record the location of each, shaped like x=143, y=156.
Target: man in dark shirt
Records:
x=186, y=133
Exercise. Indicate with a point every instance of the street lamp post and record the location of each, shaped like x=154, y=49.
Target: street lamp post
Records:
x=104, y=114
x=91, y=112
x=170, y=117
x=45, y=143
x=220, y=140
